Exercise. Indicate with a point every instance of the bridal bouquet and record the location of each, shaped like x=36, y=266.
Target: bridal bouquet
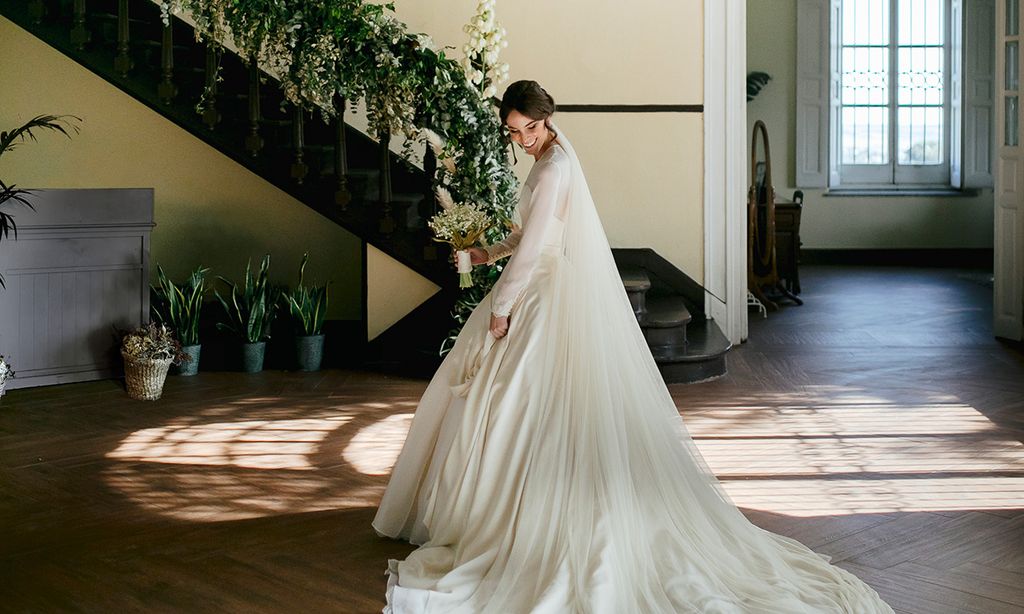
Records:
x=461, y=226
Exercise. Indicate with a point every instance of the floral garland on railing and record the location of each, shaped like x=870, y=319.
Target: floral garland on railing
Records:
x=322, y=51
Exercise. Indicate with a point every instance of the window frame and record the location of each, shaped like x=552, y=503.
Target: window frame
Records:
x=892, y=175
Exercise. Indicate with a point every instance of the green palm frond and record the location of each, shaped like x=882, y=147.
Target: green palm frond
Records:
x=10, y=140
x=57, y=123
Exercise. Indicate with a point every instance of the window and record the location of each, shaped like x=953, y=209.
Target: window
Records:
x=894, y=99
x=895, y=93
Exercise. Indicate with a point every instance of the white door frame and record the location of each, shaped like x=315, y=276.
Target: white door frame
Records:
x=725, y=154
x=1008, y=175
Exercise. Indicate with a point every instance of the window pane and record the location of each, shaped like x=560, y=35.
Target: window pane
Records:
x=865, y=135
x=1012, y=137
x=921, y=22
x=1012, y=67
x=920, y=79
x=920, y=135
x=1012, y=17
x=865, y=22
x=864, y=77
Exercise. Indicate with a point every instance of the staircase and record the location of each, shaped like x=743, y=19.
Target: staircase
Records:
x=669, y=306
x=336, y=170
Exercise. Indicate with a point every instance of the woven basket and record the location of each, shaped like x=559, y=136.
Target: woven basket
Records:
x=145, y=379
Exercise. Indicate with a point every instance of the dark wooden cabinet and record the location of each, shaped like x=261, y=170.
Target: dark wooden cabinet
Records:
x=787, y=241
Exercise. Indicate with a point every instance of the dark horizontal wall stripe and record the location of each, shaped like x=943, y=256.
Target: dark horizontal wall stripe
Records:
x=631, y=108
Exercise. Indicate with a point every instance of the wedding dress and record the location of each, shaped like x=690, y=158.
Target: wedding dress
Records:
x=550, y=472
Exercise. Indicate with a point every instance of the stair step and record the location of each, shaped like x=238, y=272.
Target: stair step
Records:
x=706, y=341
x=635, y=280
x=666, y=312
x=704, y=356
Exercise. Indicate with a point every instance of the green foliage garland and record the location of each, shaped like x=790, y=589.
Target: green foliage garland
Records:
x=322, y=51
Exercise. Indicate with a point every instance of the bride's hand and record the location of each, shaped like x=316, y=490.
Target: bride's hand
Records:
x=499, y=326
x=478, y=255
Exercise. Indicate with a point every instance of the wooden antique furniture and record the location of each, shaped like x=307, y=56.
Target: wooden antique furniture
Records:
x=787, y=241
x=763, y=270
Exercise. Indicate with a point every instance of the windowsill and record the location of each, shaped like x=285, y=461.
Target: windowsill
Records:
x=899, y=192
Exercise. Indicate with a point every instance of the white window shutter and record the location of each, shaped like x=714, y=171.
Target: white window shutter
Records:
x=835, y=99
x=956, y=90
x=813, y=55
x=978, y=92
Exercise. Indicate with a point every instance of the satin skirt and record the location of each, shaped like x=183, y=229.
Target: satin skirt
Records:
x=525, y=498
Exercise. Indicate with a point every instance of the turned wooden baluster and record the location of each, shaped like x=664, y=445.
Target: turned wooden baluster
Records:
x=166, y=90
x=427, y=206
x=254, y=142
x=342, y=197
x=122, y=61
x=210, y=115
x=299, y=168
x=387, y=221
x=37, y=10
x=80, y=35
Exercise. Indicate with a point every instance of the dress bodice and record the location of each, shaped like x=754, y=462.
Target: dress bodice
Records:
x=542, y=208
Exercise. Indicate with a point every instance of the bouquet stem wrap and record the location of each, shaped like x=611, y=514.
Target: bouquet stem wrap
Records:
x=464, y=263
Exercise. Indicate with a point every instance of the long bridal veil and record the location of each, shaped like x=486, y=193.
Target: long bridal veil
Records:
x=592, y=497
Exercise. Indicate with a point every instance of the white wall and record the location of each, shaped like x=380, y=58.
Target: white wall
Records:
x=845, y=222
x=645, y=169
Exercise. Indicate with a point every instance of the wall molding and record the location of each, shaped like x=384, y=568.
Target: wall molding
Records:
x=630, y=108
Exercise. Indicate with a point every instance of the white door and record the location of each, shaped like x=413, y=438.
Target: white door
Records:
x=1009, y=176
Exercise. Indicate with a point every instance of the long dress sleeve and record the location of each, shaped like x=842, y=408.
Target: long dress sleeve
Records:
x=505, y=247
x=538, y=219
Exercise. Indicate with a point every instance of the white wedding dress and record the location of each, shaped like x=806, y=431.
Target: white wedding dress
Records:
x=549, y=471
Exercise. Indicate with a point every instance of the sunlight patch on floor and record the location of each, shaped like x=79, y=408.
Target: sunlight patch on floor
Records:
x=860, y=454
x=252, y=444
x=375, y=448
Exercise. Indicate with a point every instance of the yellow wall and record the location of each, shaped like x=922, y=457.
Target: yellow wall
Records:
x=845, y=222
x=208, y=209
x=645, y=169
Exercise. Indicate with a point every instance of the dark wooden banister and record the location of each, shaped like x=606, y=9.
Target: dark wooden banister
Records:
x=166, y=90
x=254, y=141
x=122, y=61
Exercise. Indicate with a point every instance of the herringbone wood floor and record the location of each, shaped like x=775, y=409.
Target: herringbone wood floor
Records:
x=880, y=424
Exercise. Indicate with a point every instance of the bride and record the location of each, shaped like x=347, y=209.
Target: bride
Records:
x=547, y=469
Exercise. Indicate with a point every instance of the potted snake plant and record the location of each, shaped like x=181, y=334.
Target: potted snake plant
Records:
x=308, y=308
x=249, y=313
x=179, y=306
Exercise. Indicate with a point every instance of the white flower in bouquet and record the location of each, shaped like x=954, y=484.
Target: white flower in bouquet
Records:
x=461, y=226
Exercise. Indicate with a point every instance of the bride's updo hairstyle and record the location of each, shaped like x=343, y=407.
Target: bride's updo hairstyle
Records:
x=529, y=98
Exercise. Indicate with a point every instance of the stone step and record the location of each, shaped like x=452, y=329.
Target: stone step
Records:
x=703, y=357
x=666, y=312
x=664, y=324
x=637, y=283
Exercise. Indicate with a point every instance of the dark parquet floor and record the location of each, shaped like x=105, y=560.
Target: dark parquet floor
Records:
x=880, y=423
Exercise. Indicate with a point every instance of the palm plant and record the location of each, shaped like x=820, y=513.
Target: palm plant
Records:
x=252, y=307
x=8, y=142
x=307, y=304
x=179, y=306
